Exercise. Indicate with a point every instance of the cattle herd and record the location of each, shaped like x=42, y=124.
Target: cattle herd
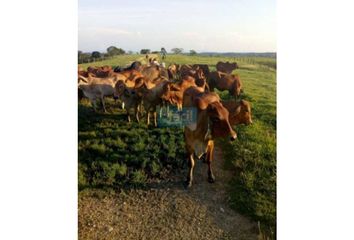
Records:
x=144, y=87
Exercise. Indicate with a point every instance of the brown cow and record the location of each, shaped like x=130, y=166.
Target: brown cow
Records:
x=173, y=92
x=239, y=112
x=104, y=71
x=186, y=70
x=226, y=67
x=136, y=65
x=223, y=81
x=128, y=76
x=203, y=67
x=212, y=122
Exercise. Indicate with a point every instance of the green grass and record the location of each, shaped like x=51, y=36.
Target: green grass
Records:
x=113, y=152
x=108, y=138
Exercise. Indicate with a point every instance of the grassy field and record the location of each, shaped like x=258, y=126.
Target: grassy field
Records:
x=113, y=152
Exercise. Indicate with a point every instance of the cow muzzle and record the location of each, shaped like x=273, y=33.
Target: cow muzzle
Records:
x=233, y=137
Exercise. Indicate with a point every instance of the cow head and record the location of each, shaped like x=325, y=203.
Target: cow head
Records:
x=166, y=91
x=173, y=70
x=119, y=89
x=200, y=79
x=239, y=112
x=237, y=86
x=218, y=115
x=92, y=70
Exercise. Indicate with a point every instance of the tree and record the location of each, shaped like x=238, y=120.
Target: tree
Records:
x=96, y=54
x=145, y=51
x=83, y=57
x=112, y=51
x=177, y=50
x=192, y=52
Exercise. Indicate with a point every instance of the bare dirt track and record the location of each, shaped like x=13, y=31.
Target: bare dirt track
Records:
x=166, y=210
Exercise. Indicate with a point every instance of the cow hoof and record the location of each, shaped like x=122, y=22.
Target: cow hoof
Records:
x=188, y=184
x=211, y=179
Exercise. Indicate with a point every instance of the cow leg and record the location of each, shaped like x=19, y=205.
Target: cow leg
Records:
x=104, y=106
x=235, y=97
x=190, y=173
x=155, y=118
x=128, y=115
x=148, y=117
x=209, y=159
x=93, y=102
x=136, y=109
x=140, y=109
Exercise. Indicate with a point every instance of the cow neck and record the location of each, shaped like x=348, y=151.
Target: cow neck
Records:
x=208, y=135
x=204, y=129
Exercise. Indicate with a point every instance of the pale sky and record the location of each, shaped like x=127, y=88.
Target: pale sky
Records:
x=202, y=25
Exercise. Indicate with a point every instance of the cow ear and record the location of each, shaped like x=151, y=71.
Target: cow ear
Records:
x=139, y=81
x=211, y=107
x=83, y=79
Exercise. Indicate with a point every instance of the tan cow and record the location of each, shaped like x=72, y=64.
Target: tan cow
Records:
x=97, y=88
x=130, y=98
x=154, y=72
x=173, y=71
x=226, y=67
x=151, y=97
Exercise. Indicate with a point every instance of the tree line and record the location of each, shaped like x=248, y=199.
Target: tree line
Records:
x=85, y=57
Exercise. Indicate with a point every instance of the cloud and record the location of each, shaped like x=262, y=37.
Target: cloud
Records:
x=110, y=31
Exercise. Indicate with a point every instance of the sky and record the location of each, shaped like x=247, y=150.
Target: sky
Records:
x=201, y=25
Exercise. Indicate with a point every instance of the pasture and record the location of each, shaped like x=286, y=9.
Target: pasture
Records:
x=115, y=154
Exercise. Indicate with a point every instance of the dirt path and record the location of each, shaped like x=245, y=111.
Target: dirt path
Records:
x=166, y=211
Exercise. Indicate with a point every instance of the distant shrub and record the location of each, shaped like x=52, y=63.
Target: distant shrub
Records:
x=138, y=177
x=102, y=173
x=155, y=168
x=87, y=135
x=120, y=169
x=82, y=179
x=98, y=148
